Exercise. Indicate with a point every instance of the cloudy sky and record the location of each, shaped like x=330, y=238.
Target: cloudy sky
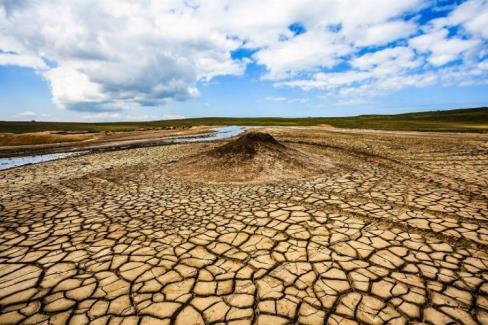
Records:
x=106, y=60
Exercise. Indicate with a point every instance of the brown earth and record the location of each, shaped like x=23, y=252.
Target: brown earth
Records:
x=395, y=231
x=35, y=138
x=255, y=157
x=52, y=142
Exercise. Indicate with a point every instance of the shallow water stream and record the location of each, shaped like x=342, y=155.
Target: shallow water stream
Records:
x=6, y=163
x=218, y=134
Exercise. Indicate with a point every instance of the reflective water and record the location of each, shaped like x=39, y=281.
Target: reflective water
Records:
x=6, y=163
x=218, y=134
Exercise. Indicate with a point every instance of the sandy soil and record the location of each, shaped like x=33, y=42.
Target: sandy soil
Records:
x=396, y=231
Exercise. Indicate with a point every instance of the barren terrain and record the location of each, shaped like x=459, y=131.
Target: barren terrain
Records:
x=56, y=141
x=394, y=230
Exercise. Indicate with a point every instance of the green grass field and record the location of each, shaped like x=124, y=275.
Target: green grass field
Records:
x=459, y=120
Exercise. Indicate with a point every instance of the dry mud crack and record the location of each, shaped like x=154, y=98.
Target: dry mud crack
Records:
x=395, y=231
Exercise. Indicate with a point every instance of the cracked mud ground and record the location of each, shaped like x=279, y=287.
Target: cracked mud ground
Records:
x=395, y=232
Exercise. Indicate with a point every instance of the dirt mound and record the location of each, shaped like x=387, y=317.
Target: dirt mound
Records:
x=255, y=157
x=248, y=145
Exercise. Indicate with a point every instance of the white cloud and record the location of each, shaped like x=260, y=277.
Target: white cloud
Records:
x=473, y=16
x=22, y=60
x=113, y=54
x=276, y=99
x=351, y=101
x=286, y=99
x=298, y=100
x=121, y=116
x=105, y=117
x=26, y=114
x=386, y=32
x=302, y=53
x=483, y=65
x=115, y=117
x=122, y=54
x=170, y=116
x=327, y=81
x=441, y=48
x=70, y=87
x=323, y=47
x=29, y=115
x=377, y=73
x=388, y=61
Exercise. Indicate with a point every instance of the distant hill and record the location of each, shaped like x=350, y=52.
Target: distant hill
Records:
x=457, y=120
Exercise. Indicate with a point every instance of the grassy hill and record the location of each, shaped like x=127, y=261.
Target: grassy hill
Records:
x=458, y=120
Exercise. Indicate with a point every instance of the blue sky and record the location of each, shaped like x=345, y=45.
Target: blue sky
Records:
x=129, y=60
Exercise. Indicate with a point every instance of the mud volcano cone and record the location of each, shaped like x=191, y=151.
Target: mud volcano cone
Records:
x=248, y=145
x=254, y=157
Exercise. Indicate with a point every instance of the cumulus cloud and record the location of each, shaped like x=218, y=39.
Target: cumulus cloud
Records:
x=122, y=54
x=388, y=61
x=114, y=54
x=304, y=53
x=444, y=51
x=473, y=16
x=382, y=33
x=441, y=48
x=330, y=80
x=22, y=60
